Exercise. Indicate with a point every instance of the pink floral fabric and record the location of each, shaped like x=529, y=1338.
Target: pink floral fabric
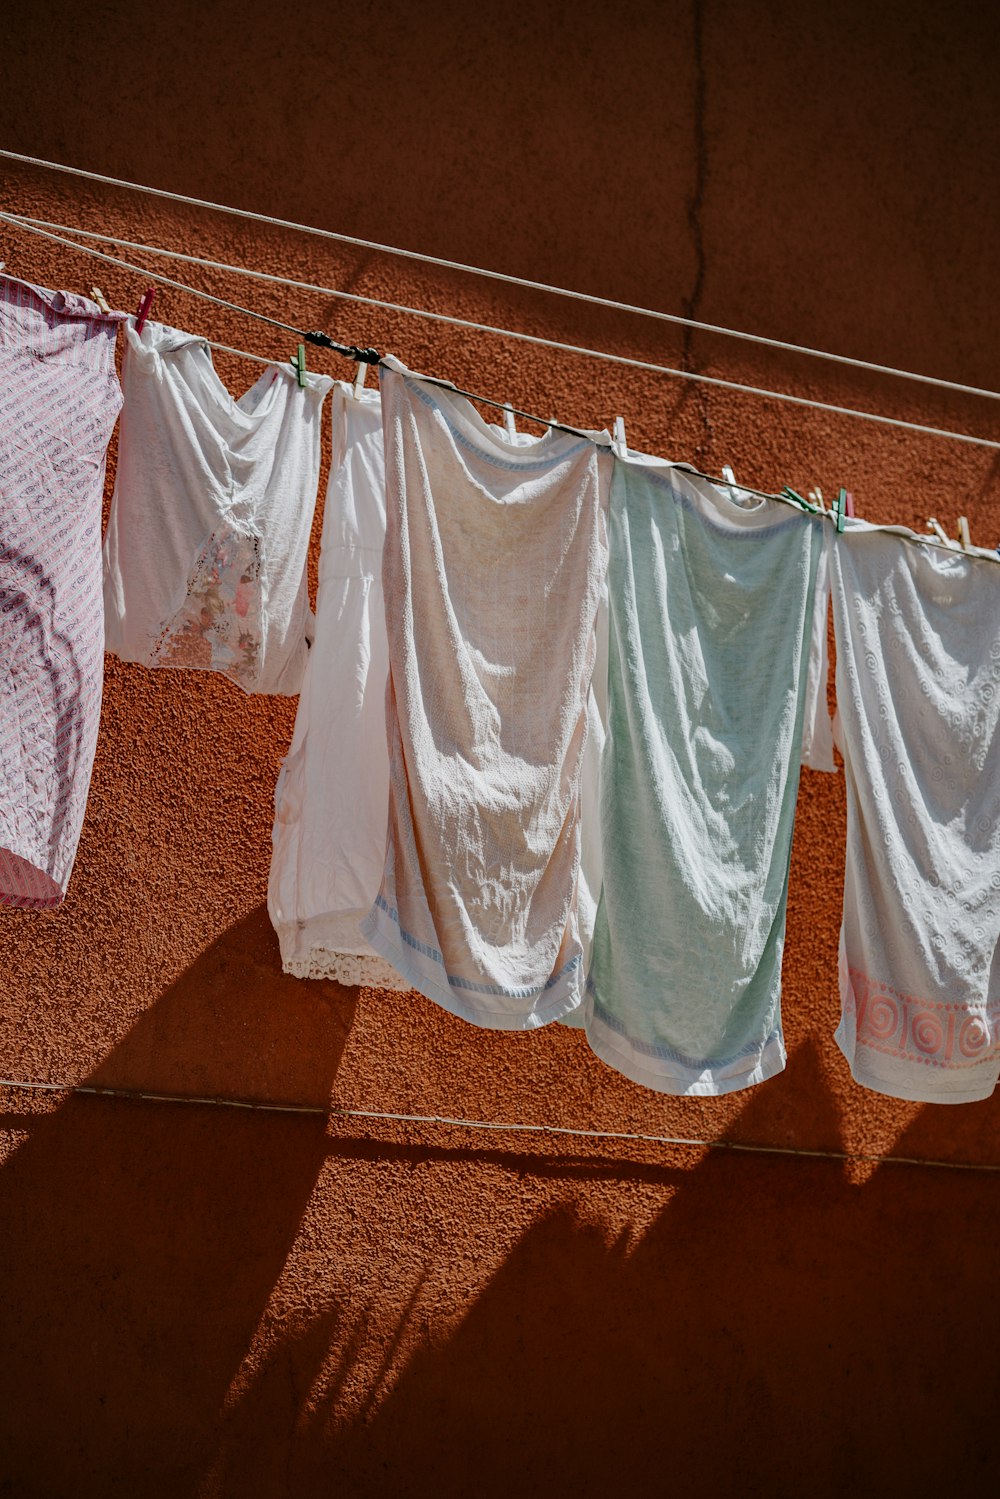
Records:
x=59, y=399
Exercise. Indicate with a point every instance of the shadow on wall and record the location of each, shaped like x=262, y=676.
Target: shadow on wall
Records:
x=140, y=1242
x=777, y=1332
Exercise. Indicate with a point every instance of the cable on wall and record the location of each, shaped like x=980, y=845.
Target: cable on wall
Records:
x=443, y=1120
x=548, y=343
x=509, y=280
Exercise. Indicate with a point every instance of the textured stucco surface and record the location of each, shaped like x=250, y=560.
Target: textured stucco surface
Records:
x=199, y=1301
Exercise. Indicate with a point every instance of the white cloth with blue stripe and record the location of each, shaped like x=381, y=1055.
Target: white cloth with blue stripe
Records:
x=493, y=569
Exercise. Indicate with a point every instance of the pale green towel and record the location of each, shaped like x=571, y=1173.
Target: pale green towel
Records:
x=711, y=614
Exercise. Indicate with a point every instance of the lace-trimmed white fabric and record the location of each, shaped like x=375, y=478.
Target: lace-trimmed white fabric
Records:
x=332, y=794
x=207, y=542
x=918, y=695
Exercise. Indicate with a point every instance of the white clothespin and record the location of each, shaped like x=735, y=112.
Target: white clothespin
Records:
x=508, y=420
x=941, y=533
x=620, y=444
x=2, y=264
x=817, y=495
x=963, y=533
x=99, y=298
x=730, y=479
x=359, y=379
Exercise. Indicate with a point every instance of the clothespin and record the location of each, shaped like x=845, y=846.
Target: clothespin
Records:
x=941, y=533
x=817, y=494
x=144, y=306
x=298, y=363
x=508, y=420
x=792, y=494
x=359, y=379
x=839, y=508
x=849, y=501
x=730, y=480
x=99, y=298
x=618, y=434
x=963, y=533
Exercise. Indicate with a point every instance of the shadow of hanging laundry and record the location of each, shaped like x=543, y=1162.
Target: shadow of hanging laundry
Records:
x=233, y=1025
x=141, y=1241
x=772, y=1330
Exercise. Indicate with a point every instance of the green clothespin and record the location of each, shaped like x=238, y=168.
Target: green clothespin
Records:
x=840, y=508
x=791, y=494
x=299, y=366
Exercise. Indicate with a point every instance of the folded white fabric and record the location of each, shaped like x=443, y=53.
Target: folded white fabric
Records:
x=712, y=601
x=918, y=697
x=493, y=568
x=206, y=547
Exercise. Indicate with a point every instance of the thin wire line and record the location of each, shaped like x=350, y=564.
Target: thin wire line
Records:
x=317, y=1111
x=547, y=343
x=472, y=270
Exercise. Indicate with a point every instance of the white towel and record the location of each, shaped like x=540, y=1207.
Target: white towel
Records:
x=918, y=694
x=493, y=569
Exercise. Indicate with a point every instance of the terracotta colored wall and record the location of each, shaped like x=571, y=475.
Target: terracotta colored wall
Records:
x=199, y=1301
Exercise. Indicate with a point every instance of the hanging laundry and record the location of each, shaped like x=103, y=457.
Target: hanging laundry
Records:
x=918, y=696
x=206, y=548
x=59, y=399
x=332, y=796
x=713, y=596
x=333, y=790
x=493, y=569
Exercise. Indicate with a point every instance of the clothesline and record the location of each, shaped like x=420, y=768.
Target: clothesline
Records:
x=712, y=380
x=502, y=1126
x=510, y=280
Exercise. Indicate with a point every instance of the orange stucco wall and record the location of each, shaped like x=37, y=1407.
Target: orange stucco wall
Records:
x=202, y=1301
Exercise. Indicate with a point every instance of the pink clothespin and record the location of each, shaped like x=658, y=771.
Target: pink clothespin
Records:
x=144, y=307
x=849, y=504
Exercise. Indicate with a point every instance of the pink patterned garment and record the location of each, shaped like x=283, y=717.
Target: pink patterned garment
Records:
x=59, y=400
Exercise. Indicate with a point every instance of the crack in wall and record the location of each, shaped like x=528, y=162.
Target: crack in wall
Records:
x=695, y=206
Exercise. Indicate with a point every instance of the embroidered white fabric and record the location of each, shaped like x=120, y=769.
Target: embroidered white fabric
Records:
x=918, y=694
x=207, y=542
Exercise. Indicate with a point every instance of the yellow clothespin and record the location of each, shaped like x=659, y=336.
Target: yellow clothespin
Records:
x=963, y=533
x=99, y=298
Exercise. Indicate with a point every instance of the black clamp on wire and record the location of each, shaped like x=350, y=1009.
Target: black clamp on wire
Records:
x=349, y=351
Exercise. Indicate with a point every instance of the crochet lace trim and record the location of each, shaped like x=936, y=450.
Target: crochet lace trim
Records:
x=365, y=971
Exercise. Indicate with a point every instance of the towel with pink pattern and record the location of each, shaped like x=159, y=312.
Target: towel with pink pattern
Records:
x=59, y=400
x=918, y=694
